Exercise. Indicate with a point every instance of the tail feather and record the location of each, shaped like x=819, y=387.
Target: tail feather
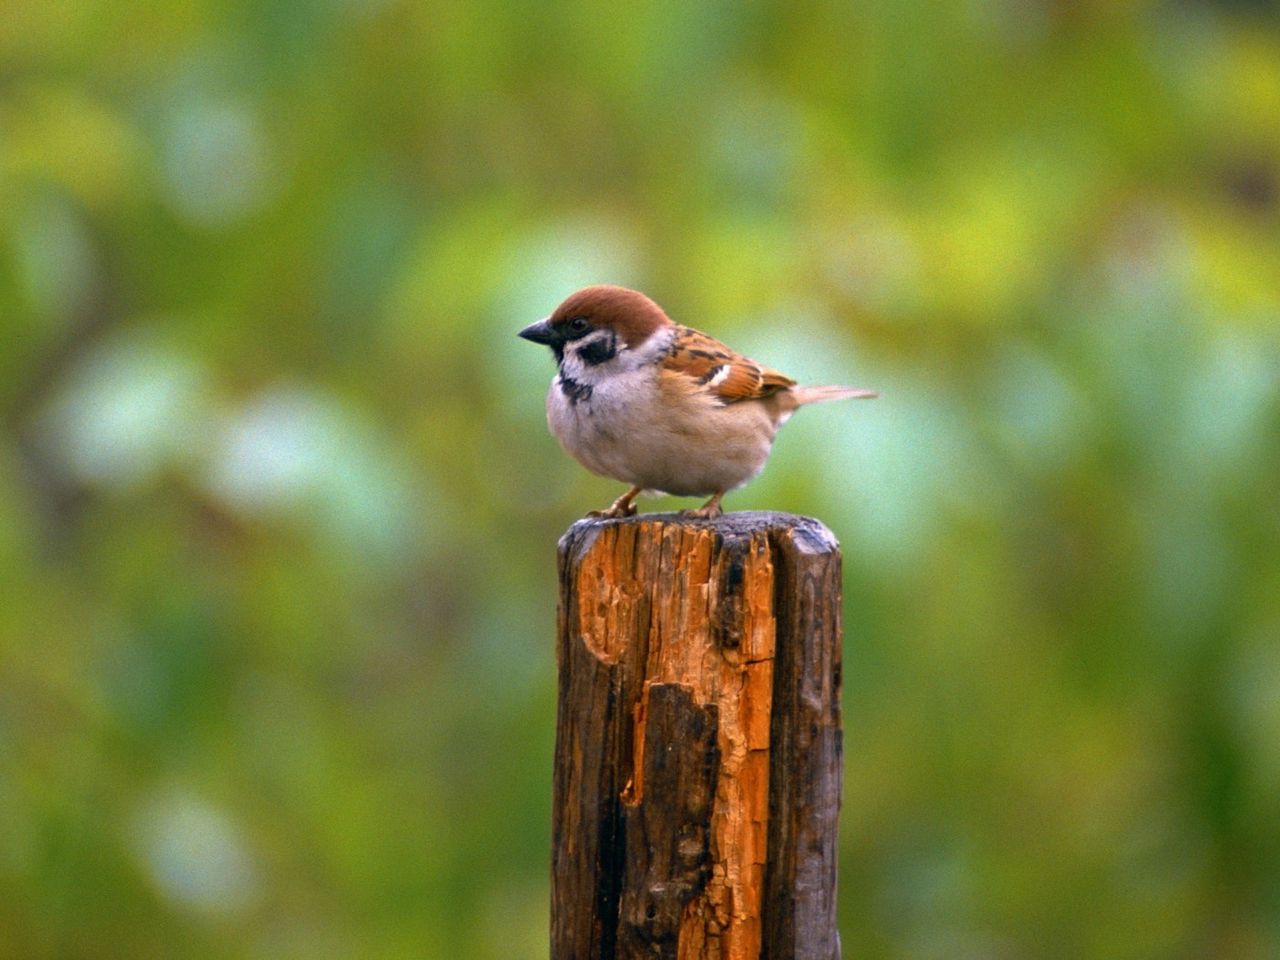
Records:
x=805, y=395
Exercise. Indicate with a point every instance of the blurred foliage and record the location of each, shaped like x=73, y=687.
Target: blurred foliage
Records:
x=278, y=507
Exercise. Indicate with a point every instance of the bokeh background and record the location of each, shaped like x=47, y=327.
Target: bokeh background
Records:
x=278, y=507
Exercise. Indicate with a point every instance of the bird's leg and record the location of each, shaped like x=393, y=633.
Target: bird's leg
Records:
x=622, y=507
x=708, y=510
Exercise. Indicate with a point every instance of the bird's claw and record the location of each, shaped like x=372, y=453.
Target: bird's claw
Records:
x=703, y=513
x=624, y=506
x=613, y=513
x=708, y=511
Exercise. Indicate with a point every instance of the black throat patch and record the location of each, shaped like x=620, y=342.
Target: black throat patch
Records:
x=600, y=351
x=575, y=391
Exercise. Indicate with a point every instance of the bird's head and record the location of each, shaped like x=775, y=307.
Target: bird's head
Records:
x=593, y=325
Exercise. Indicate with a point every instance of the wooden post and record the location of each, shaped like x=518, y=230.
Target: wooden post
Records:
x=697, y=765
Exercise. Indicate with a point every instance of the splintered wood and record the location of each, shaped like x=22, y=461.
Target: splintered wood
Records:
x=689, y=576
x=668, y=636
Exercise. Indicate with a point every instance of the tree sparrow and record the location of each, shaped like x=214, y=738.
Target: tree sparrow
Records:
x=661, y=406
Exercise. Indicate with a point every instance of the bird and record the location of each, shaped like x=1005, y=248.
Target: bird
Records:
x=658, y=405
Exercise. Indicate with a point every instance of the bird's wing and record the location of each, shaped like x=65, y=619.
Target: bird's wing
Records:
x=727, y=375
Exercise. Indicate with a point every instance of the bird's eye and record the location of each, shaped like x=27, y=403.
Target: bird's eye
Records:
x=579, y=325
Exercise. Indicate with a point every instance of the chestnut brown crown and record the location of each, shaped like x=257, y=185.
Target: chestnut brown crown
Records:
x=629, y=313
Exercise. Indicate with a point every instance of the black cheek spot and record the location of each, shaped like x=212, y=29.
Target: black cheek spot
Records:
x=599, y=351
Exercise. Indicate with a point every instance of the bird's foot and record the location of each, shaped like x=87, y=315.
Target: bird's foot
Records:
x=622, y=507
x=708, y=511
x=613, y=513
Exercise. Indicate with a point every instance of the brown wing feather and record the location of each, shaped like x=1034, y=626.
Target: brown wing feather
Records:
x=727, y=375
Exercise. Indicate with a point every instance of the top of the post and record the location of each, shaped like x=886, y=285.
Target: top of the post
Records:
x=805, y=534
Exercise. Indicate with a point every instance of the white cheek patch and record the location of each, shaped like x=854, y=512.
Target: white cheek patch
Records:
x=601, y=343
x=594, y=356
x=603, y=355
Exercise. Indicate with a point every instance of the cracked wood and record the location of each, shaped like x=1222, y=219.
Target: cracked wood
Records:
x=697, y=772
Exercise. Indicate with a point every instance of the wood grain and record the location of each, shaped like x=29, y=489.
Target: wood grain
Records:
x=697, y=769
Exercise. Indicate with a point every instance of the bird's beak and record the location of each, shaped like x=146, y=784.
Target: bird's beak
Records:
x=539, y=332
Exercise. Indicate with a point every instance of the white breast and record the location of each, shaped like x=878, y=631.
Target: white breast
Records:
x=615, y=419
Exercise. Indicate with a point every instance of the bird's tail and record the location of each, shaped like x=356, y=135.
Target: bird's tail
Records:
x=805, y=395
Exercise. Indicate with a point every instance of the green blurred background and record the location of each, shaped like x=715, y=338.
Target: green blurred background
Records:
x=278, y=507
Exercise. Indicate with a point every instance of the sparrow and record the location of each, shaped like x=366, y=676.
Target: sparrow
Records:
x=661, y=406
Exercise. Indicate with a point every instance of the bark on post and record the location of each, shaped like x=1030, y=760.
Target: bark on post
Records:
x=697, y=766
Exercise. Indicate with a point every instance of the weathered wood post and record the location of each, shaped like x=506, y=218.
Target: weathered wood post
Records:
x=697, y=764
